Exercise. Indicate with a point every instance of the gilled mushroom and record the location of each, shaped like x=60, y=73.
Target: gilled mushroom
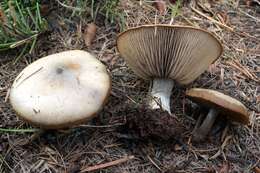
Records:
x=61, y=90
x=218, y=104
x=165, y=53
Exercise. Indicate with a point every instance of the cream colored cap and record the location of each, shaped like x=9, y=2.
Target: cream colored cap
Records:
x=61, y=90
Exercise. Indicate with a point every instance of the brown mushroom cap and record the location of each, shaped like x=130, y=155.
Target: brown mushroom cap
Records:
x=180, y=53
x=227, y=105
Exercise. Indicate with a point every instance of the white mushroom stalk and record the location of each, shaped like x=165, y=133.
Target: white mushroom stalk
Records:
x=161, y=93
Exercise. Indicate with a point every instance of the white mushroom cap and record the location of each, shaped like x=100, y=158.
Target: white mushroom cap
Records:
x=61, y=90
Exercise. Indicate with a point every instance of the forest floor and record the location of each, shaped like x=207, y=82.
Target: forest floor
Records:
x=147, y=141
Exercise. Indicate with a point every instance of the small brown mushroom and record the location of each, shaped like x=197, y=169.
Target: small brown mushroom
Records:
x=165, y=53
x=61, y=90
x=218, y=104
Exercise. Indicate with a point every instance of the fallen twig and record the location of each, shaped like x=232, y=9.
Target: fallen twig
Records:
x=151, y=160
x=211, y=19
x=240, y=33
x=243, y=70
x=248, y=15
x=220, y=151
x=7, y=95
x=102, y=126
x=108, y=164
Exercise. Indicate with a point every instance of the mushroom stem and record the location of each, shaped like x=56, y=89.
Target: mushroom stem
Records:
x=201, y=132
x=161, y=93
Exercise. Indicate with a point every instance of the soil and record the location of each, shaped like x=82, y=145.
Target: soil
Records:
x=126, y=127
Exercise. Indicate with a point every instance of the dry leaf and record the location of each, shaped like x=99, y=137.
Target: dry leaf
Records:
x=177, y=147
x=258, y=101
x=108, y=59
x=90, y=33
x=173, y=1
x=160, y=5
x=223, y=17
x=210, y=169
x=225, y=168
x=207, y=5
x=79, y=30
x=12, y=12
x=213, y=69
x=248, y=3
x=44, y=9
x=124, y=4
x=257, y=170
x=252, y=2
x=2, y=16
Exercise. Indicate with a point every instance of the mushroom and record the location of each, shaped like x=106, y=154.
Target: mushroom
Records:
x=61, y=90
x=165, y=53
x=218, y=104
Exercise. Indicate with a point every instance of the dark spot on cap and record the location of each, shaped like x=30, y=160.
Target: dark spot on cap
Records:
x=59, y=70
x=36, y=111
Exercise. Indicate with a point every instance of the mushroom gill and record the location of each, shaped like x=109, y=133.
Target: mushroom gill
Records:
x=165, y=53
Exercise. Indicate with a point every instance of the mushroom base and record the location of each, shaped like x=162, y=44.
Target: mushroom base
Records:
x=161, y=93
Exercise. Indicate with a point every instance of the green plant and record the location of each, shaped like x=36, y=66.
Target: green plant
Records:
x=110, y=10
x=175, y=8
x=20, y=25
x=10, y=130
x=106, y=8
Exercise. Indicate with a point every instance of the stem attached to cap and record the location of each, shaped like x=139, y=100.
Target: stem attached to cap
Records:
x=201, y=132
x=161, y=93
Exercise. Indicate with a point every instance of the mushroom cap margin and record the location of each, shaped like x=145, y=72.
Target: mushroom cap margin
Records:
x=183, y=72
